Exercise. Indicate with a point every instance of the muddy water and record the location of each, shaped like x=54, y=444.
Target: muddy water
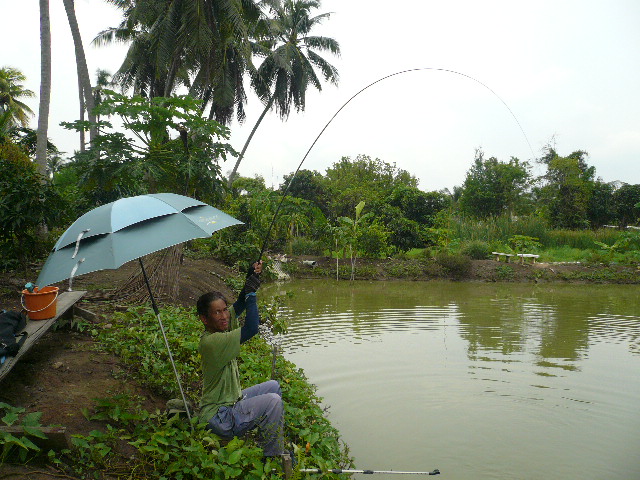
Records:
x=482, y=381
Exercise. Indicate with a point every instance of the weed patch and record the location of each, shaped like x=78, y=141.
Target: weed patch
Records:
x=135, y=336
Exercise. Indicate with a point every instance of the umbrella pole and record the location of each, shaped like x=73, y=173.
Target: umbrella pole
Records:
x=166, y=342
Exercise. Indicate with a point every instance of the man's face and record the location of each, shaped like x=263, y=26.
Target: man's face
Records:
x=217, y=319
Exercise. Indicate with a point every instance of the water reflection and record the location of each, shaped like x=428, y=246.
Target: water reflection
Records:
x=557, y=323
x=475, y=374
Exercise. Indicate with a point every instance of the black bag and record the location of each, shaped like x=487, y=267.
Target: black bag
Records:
x=11, y=322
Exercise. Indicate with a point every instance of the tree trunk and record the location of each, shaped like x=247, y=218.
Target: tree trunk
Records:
x=82, y=108
x=246, y=144
x=171, y=78
x=45, y=88
x=81, y=63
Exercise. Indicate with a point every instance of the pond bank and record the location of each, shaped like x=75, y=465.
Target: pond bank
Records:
x=473, y=270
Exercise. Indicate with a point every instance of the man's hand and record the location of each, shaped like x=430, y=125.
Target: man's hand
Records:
x=253, y=281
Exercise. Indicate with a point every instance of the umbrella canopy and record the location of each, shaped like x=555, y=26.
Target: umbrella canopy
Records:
x=114, y=234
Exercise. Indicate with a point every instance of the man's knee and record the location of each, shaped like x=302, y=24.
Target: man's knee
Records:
x=274, y=387
x=274, y=403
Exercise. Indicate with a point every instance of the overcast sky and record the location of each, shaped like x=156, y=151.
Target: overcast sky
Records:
x=567, y=70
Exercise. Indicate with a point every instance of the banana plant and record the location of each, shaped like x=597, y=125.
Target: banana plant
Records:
x=351, y=229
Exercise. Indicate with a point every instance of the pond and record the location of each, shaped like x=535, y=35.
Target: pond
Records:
x=482, y=381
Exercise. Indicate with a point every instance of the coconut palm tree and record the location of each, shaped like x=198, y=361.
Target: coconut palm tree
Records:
x=290, y=61
x=200, y=44
x=84, y=81
x=15, y=112
x=45, y=87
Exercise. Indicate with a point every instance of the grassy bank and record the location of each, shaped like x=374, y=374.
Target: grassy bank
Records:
x=137, y=443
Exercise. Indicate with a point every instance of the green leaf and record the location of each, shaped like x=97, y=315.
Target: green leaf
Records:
x=10, y=418
x=29, y=444
x=34, y=432
x=32, y=419
x=234, y=457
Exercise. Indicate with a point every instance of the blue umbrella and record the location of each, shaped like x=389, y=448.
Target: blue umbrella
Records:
x=111, y=235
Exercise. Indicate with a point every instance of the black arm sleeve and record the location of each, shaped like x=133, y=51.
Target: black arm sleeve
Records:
x=252, y=320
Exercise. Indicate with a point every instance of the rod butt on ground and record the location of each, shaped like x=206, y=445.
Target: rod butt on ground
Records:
x=338, y=471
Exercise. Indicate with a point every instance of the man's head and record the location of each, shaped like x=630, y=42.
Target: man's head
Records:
x=213, y=312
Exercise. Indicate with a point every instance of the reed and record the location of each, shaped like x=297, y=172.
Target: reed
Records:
x=498, y=230
x=582, y=239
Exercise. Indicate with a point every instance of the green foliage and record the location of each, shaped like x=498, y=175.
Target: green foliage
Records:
x=626, y=242
x=165, y=447
x=171, y=447
x=505, y=272
x=168, y=146
x=415, y=270
x=601, y=209
x=524, y=244
x=13, y=111
x=349, y=182
x=567, y=191
x=351, y=229
x=306, y=246
x=19, y=446
x=416, y=205
x=566, y=254
x=497, y=229
x=492, y=188
x=582, y=239
x=373, y=241
x=27, y=203
x=307, y=185
x=476, y=249
x=626, y=204
x=458, y=266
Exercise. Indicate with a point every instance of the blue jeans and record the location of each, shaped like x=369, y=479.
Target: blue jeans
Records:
x=261, y=407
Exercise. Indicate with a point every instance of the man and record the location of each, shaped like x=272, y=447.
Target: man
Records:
x=229, y=410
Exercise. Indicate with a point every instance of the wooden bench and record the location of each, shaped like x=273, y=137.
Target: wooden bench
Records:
x=499, y=255
x=527, y=255
x=522, y=256
x=36, y=328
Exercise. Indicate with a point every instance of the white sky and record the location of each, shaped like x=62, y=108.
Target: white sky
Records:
x=567, y=69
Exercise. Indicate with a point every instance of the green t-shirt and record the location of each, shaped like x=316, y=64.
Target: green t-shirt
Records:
x=221, y=380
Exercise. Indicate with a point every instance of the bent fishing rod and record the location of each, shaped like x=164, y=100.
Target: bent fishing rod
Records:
x=411, y=70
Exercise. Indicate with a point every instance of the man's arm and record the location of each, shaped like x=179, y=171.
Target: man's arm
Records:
x=248, y=301
x=252, y=320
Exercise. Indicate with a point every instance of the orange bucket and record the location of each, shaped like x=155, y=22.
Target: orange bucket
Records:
x=40, y=304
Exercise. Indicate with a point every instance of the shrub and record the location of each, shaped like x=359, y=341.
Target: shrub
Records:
x=373, y=241
x=476, y=250
x=458, y=266
x=305, y=246
x=26, y=204
x=505, y=272
x=524, y=243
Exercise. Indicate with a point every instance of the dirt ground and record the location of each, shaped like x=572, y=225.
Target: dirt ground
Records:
x=62, y=374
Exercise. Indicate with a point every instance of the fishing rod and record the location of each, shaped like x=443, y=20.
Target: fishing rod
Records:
x=286, y=190
x=367, y=472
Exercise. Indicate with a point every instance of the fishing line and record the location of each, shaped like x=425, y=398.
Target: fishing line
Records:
x=286, y=190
